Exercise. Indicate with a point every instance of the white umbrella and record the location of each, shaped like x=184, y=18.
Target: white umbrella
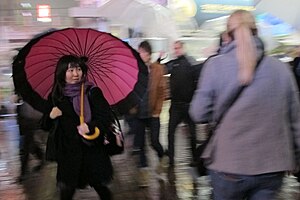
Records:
x=142, y=16
x=287, y=10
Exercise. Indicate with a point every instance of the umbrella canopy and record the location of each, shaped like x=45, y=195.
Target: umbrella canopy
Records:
x=113, y=66
x=288, y=11
x=142, y=16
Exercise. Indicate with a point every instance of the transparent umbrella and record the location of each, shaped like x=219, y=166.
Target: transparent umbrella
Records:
x=142, y=16
x=288, y=11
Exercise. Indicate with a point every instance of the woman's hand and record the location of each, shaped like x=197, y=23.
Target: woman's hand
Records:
x=83, y=129
x=55, y=112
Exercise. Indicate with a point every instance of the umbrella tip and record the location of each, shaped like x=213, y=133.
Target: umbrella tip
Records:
x=84, y=58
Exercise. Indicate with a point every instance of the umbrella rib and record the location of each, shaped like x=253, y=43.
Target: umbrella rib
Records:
x=78, y=42
x=71, y=42
x=71, y=46
x=113, y=66
x=42, y=61
x=91, y=47
x=107, y=50
x=111, y=95
x=106, y=57
x=119, y=88
x=38, y=72
x=48, y=88
x=108, y=60
x=99, y=48
x=111, y=79
x=86, y=49
x=56, y=48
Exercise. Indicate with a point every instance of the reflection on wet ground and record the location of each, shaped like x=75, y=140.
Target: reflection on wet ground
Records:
x=177, y=183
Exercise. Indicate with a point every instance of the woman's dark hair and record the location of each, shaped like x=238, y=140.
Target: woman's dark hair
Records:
x=146, y=46
x=60, y=74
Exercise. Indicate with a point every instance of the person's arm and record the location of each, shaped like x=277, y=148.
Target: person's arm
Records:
x=196, y=74
x=169, y=66
x=201, y=106
x=47, y=121
x=191, y=60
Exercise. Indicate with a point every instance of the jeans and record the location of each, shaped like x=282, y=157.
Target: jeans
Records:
x=180, y=113
x=239, y=187
x=139, y=141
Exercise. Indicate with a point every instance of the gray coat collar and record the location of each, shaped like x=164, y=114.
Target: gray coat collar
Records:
x=232, y=46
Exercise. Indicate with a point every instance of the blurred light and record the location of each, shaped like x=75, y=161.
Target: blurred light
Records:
x=26, y=14
x=6, y=71
x=25, y=5
x=276, y=25
x=43, y=13
x=221, y=8
x=44, y=19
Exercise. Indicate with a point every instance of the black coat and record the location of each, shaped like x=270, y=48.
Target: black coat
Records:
x=183, y=78
x=81, y=162
x=296, y=69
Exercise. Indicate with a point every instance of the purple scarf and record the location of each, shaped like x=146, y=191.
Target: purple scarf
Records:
x=73, y=91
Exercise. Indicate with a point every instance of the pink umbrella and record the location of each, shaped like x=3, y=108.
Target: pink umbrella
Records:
x=113, y=66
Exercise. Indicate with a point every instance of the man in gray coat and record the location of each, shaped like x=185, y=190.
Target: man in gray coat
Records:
x=258, y=139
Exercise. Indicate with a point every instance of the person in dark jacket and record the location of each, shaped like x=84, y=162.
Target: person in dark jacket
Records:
x=296, y=67
x=31, y=139
x=80, y=161
x=184, y=72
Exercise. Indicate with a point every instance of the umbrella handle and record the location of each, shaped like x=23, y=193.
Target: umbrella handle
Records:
x=97, y=131
x=93, y=136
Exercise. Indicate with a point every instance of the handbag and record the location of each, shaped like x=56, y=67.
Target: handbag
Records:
x=114, y=138
x=212, y=126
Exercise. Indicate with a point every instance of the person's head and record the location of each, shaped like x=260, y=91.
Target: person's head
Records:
x=224, y=39
x=69, y=69
x=145, y=51
x=241, y=28
x=178, y=48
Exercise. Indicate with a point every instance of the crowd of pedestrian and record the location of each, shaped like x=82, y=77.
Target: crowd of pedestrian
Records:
x=255, y=144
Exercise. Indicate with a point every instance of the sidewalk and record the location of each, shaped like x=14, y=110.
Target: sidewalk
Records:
x=177, y=184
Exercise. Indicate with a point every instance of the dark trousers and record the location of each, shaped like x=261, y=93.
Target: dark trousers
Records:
x=180, y=113
x=129, y=119
x=67, y=192
x=153, y=123
x=28, y=145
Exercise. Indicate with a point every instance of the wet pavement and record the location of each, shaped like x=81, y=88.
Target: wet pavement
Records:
x=178, y=183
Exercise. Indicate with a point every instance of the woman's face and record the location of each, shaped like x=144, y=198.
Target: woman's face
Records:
x=73, y=74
